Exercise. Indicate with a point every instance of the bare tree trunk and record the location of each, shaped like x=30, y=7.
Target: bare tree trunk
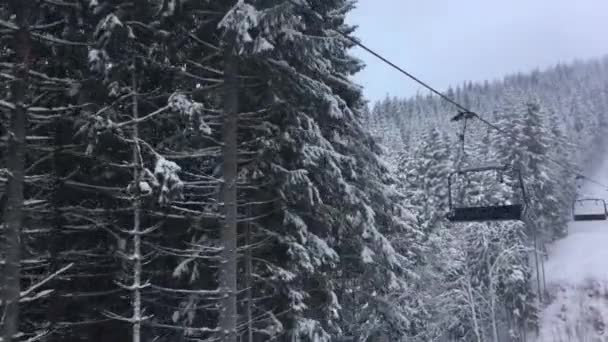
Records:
x=493, y=302
x=538, y=280
x=228, y=269
x=136, y=233
x=510, y=326
x=60, y=166
x=13, y=212
x=248, y=282
x=472, y=307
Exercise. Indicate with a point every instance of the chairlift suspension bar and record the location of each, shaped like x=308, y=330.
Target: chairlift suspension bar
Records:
x=523, y=187
x=462, y=141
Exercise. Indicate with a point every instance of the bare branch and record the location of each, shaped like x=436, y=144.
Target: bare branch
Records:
x=202, y=42
x=200, y=66
x=198, y=292
x=47, y=26
x=32, y=288
x=63, y=3
x=143, y=118
x=7, y=105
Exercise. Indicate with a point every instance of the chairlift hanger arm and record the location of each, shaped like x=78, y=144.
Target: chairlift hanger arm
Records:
x=464, y=115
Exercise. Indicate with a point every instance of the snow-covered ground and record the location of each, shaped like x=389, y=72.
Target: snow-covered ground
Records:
x=577, y=277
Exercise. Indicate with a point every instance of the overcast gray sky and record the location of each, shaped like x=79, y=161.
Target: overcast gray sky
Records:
x=448, y=41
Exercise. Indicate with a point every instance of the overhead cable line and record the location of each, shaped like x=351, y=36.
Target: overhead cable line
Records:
x=455, y=103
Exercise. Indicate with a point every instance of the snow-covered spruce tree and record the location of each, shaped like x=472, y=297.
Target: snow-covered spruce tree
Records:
x=144, y=121
x=496, y=262
x=12, y=208
x=114, y=62
x=82, y=197
x=575, y=93
x=423, y=176
x=527, y=147
x=36, y=98
x=330, y=238
x=58, y=71
x=455, y=296
x=188, y=297
x=562, y=151
x=200, y=253
x=578, y=87
x=195, y=251
x=384, y=130
x=472, y=280
x=458, y=306
x=228, y=316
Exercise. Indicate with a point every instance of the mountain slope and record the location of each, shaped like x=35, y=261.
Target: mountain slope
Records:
x=577, y=278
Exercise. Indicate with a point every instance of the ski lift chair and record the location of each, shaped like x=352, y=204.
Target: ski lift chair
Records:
x=585, y=215
x=492, y=212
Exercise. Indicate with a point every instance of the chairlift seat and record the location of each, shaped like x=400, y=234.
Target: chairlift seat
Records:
x=590, y=217
x=509, y=212
x=601, y=214
x=489, y=213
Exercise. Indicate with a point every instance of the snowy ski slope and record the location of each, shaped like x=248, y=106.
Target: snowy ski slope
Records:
x=577, y=278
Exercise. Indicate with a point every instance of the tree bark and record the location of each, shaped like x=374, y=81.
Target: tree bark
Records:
x=538, y=280
x=136, y=233
x=248, y=279
x=228, y=269
x=472, y=307
x=60, y=170
x=493, y=300
x=13, y=212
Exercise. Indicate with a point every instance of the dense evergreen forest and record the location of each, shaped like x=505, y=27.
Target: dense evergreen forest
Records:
x=179, y=170
x=187, y=170
x=478, y=281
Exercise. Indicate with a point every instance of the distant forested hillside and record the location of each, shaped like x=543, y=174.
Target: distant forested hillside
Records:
x=575, y=94
x=480, y=281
